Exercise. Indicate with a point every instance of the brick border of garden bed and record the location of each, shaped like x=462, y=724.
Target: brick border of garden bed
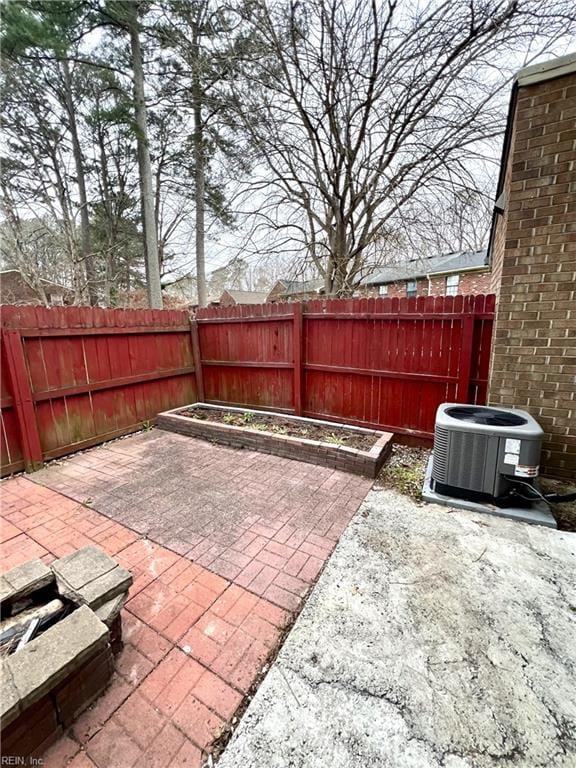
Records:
x=367, y=463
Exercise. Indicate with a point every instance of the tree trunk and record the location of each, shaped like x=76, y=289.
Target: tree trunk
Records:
x=199, y=178
x=106, y=199
x=199, y=201
x=328, y=275
x=87, y=256
x=339, y=258
x=145, y=167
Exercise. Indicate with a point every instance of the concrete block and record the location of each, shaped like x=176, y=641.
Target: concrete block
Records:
x=91, y=577
x=54, y=655
x=25, y=579
x=110, y=610
x=101, y=590
x=9, y=701
x=75, y=695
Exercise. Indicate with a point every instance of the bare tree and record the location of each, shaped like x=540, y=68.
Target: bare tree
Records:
x=459, y=220
x=358, y=107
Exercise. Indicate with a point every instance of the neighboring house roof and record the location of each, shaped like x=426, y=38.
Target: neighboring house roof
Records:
x=431, y=265
x=247, y=297
x=302, y=286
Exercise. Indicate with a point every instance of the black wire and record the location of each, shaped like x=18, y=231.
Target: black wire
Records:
x=530, y=487
x=536, y=495
x=547, y=498
x=559, y=497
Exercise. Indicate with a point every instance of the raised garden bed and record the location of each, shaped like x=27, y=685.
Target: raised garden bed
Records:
x=353, y=449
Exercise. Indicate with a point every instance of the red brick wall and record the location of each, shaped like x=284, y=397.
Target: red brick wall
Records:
x=534, y=349
x=398, y=290
x=470, y=283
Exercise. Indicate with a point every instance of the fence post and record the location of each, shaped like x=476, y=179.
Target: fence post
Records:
x=23, y=402
x=466, y=351
x=297, y=342
x=197, y=357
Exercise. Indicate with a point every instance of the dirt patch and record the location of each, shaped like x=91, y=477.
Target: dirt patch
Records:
x=281, y=426
x=404, y=471
x=565, y=513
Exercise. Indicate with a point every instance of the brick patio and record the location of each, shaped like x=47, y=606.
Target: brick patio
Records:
x=223, y=544
x=263, y=522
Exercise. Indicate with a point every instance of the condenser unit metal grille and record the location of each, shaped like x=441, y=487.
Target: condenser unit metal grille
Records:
x=460, y=458
x=441, y=453
x=469, y=453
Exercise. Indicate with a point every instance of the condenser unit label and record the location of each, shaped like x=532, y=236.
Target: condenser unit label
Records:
x=512, y=446
x=522, y=470
x=511, y=458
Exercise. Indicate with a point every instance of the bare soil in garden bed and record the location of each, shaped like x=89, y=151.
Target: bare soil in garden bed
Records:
x=281, y=426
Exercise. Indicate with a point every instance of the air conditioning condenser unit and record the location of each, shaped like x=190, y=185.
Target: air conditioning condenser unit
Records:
x=487, y=459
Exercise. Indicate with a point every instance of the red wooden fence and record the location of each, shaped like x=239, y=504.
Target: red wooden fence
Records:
x=384, y=363
x=73, y=377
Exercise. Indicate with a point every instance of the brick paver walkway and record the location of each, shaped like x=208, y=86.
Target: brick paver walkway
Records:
x=223, y=544
x=263, y=522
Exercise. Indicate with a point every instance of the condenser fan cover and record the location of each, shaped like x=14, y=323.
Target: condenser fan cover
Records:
x=491, y=417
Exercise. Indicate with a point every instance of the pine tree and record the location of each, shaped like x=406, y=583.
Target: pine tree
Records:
x=49, y=31
x=201, y=41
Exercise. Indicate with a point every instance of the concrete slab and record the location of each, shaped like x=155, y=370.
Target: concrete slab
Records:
x=537, y=512
x=433, y=639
